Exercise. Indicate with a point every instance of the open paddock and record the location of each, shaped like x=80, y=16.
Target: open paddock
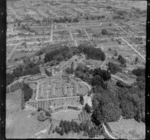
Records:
x=59, y=26
x=61, y=115
x=93, y=63
x=83, y=41
x=79, y=34
x=20, y=54
x=111, y=46
x=12, y=41
x=50, y=14
x=106, y=44
x=10, y=48
x=141, y=48
x=103, y=33
x=41, y=30
x=61, y=35
x=139, y=29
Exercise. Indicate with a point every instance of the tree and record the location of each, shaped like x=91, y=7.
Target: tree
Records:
x=9, y=78
x=61, y=131
x=97, y=117
x=113, y=68
x=42, y=116
x=27, y=91
x=98, y=81
x=57, y=129
x=68, y=70
x=105, y=75
x=111, y=112
x=104, y=32
x=81, y=100
x=128, y=110
x=136, y=60
x=121, y=60
x=48, y=114
x=139, y=72
x=87, y=108
x=122, y=84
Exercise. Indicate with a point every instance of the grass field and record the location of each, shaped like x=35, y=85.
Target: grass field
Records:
x=66, y=115
x=20, y=123
x=128, y=128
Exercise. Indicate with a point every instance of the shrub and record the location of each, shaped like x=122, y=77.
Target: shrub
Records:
x=42, y=117
x=87, y=108
x=121, y=59
x=27, y=91
x=81, y=100
x=104, y=32
x=139, y=72
x=114, y=68
x=48, y=114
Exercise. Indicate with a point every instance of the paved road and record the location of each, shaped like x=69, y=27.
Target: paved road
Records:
x=39, y=10
x=133, y=48
x=123, y=30
x=31, y=37
x=108, y=133
x=71, y=35
x=51, y=39
x=14, y=13
x=12, y=52
x=87, y=34
x=118, y=78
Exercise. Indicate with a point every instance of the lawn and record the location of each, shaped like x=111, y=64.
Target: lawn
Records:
x=128, y=128
x=66, y=115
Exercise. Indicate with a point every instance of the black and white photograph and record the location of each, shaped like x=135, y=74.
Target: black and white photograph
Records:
x=75, y=69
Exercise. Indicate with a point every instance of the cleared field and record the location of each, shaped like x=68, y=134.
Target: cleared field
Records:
x=61, y=35
x=128, y=129
x=10, y=49
x=61, y=115
x=41, y=30
x=138, y=4
x=19, y=55
x=79, y=34
x=93, y=63
x=14, y=115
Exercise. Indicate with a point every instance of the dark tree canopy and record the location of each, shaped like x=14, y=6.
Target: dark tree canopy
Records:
x=98, y=81
x=88, y=108
x=27, y=91
x=92, y=52
x=121, y=59
x=113, y=68
x=22, y=70
x=139, y=72
x=103, y=73
x=128, y=110
x=111, y=112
